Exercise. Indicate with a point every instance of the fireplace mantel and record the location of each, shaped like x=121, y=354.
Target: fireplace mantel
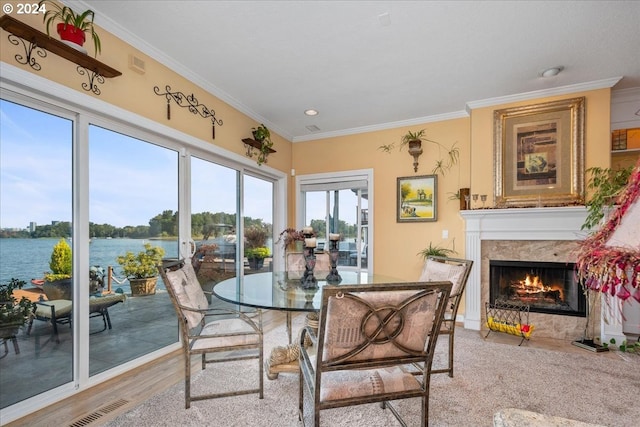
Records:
x=526, y=223
x=557, y=223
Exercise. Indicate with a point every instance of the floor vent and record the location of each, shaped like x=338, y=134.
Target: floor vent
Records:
x=99, y=413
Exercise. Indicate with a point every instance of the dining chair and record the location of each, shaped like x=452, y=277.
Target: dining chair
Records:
x=229, y=334
x=457, y=272
x=367, y=336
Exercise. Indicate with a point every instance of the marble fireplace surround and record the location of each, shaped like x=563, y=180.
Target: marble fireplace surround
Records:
x=524, y=234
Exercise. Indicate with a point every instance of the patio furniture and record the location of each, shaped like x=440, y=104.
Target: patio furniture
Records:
x=457, y=272
x=54, y=312
x=230, y=334
x=60, y=311
x=367, y=336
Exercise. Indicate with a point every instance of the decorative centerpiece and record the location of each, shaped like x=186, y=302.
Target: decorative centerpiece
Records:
x=333, y=276
x=291, y=238
x=308, y=280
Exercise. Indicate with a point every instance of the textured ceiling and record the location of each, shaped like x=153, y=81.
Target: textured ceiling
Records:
x=367, y=65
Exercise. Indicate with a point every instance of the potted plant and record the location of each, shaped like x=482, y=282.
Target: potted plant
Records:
x=413, y=141
x=73, y=26
x=255, y=246
x=436, y=250
x=263, y=136
x=13, y=313
x=57, y=282
x=606, y=184
x=141, y=269
x=256, y=257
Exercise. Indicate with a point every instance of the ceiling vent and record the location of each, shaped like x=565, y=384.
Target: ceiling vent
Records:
x=312, y=128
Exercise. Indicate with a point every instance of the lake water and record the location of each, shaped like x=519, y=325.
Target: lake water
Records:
x=26, y=259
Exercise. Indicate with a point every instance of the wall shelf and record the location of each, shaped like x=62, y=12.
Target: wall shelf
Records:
x=37, y=40
x=256, y=144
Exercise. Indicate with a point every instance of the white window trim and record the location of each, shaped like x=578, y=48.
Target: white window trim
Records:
x=18, y=85
x=333, y=177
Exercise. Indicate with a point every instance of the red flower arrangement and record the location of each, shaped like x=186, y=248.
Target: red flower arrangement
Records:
x=609, y=269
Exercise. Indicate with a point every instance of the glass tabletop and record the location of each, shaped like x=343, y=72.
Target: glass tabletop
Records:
x=276, y=291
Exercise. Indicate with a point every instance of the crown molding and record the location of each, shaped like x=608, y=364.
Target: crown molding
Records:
x=157, y=55
x=383, y=126
x=561, y=90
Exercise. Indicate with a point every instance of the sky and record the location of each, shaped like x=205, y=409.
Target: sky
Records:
x=130, y=181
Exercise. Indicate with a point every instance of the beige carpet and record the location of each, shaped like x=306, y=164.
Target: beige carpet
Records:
x=491, y=375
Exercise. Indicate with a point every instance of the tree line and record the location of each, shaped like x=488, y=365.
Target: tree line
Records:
x=165, y=224
x=206, y=225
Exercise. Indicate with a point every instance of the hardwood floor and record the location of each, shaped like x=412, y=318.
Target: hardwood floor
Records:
x=105, y=401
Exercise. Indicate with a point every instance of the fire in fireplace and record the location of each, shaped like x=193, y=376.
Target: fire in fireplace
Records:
x=546, y=287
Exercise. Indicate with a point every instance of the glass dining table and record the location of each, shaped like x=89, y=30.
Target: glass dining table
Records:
x=280, y=290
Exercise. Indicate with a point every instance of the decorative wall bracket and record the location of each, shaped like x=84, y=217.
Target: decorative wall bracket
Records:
x=263, y=151
x=36, y=42
x=191, y=103
x=29, y=49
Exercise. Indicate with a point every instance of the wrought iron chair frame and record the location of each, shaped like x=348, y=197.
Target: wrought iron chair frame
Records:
x=313, y=366
x=448, y=327
x=191, y=336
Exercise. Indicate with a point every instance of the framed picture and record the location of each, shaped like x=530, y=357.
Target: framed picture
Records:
x=539, y=154
x=417, y=198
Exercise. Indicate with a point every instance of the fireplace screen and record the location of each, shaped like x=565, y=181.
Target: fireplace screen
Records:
x=546, y=287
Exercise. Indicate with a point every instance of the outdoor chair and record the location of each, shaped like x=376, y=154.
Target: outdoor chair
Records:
x=457, y=272
x=367, y=337
x=230, y=334
x=60, y=311
x=54, y=312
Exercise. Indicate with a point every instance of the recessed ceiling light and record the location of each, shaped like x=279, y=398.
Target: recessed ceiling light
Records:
x=551, y=72
x=311, y=112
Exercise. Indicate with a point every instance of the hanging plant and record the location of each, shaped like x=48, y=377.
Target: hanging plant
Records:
x=261, y=142
x=413, y=140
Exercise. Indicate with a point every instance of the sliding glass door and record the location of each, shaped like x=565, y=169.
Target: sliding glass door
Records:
x=36, y=213
x=133, y=202
x=109, y=189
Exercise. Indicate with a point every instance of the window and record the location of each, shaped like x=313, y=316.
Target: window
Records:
x=340, y=203
x=107, y=183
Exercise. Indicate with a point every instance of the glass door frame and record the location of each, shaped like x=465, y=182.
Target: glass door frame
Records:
x=338, y=177
x=34, y=91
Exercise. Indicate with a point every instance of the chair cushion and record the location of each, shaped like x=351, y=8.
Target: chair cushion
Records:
x=226, y=326
x=63, y=308
x=185, y=286
x=435, y=271
x=368, y=382
x=351, y=326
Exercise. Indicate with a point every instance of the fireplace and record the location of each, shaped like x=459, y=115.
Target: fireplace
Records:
x=546, y=287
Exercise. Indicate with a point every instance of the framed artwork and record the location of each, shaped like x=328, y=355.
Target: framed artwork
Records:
x=539, y=154
x=417, y=198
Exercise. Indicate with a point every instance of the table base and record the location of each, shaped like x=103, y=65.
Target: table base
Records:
x=285, y=358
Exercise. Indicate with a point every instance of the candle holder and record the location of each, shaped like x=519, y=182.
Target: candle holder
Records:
x=333, y=276
x=308, y=280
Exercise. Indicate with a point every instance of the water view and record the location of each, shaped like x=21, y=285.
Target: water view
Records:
x=27, y=259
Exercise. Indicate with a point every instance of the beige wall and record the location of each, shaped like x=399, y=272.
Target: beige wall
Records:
x=396, y=244
x=134, y=92
x=597, y=136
